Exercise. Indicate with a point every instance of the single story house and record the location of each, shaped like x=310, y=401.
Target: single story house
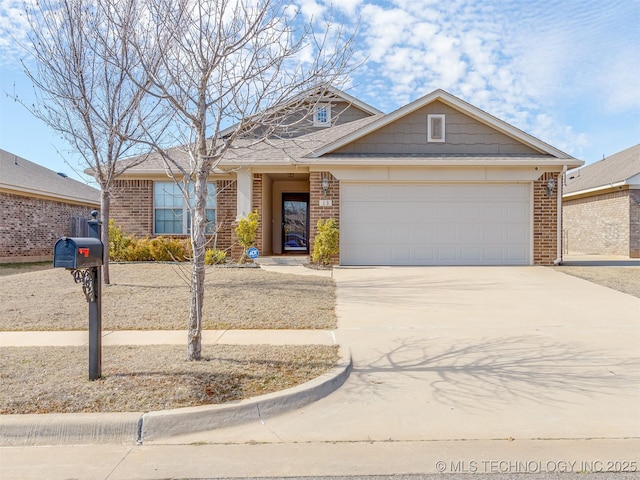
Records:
x=37, y=207
x=436, y=182
x=601, y=206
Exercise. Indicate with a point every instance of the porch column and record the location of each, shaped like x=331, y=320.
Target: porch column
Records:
x=245, y=193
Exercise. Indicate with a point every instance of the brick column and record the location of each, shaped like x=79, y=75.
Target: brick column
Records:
x=325, y=212
x=545, y=220
x=236, y=248
x=226, y=213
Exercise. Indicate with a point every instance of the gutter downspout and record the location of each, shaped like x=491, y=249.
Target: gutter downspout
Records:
x=560, y=183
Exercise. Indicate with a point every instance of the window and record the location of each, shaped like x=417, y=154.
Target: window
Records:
x=435, y=127
x=170, y=212
x=322, y=115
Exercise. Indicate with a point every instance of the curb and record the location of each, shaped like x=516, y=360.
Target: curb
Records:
x=68, y=428
x=182, y=421
x=138, y=427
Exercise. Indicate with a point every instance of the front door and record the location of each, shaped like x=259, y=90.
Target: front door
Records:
x=295, y=222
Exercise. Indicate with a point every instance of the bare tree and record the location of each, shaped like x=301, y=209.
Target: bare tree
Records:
x=80, y=67
x=216, y=63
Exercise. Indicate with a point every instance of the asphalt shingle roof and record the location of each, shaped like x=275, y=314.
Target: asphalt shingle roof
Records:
x=272, y=151
x=28, y=178
x=614, y=169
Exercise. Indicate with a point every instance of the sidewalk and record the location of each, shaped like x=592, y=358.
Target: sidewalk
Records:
x=169, y=337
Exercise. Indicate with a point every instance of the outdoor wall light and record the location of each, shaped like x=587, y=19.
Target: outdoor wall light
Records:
x=325, y=186
x=551, y=184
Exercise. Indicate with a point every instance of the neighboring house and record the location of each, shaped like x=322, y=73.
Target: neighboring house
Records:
x=37, y=207
x=601, y=206
x=437, y=182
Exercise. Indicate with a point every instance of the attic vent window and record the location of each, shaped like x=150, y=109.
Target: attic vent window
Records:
x=322, y=115
x=435, y=129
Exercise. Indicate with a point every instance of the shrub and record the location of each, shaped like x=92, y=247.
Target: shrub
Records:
x=123, y=248
x=327, y=241
x=138, y=251
x=118, y=242
x=165, y=249
x=213, y=256
x=246, y=231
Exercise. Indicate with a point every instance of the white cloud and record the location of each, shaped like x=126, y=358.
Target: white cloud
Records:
x=548, y=129
x=348, y=7
x=620, y=82
x=13, y=30
x=311, y=10
x=526, y=63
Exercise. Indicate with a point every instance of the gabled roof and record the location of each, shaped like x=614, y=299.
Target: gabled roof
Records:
x=315, y=148
x=272, y=152
x=622, y=168
x=458, y=104
x=335, y=94
x=294, y=150
x=22, y=177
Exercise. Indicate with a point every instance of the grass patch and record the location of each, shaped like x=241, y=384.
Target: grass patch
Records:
x=149, y=296
x=146, y=378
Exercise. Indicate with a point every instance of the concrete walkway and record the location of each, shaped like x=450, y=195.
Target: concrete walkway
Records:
x=169, y=337
x=479, y=370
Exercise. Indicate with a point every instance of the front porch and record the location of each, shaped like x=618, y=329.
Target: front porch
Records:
x=289, y=205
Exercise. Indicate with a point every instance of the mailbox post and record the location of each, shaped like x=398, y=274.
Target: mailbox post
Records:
x=95, y=307
x=83, y=257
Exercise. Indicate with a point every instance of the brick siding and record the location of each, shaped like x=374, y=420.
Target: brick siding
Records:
x=601, y=224
x=322, y=213
x=545, y=221
x=29, y=227
x=634, y=223
x=226, y=213
x=132, y=207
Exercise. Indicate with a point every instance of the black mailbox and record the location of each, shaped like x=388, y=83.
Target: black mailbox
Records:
x=77, y=253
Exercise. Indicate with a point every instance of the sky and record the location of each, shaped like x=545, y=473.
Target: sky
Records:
x=564, y=71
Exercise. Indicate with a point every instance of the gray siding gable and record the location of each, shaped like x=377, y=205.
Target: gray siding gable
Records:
x=464, y=135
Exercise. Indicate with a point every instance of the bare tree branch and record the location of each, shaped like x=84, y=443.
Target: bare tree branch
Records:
x=251, y=67
x=80, y=68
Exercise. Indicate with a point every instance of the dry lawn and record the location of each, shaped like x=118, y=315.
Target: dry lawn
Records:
x=156, y=297
x=140, y=379
x=623, y=279
x=150, y=296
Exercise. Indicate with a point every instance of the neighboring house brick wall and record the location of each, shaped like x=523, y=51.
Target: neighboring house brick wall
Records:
x=322, y=213
x=545, y=221
x=598, y=224
x=29, y=226
x=132, y=207
x=634, y=223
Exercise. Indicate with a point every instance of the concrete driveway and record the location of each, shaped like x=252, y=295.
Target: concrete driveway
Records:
x=450, y=353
